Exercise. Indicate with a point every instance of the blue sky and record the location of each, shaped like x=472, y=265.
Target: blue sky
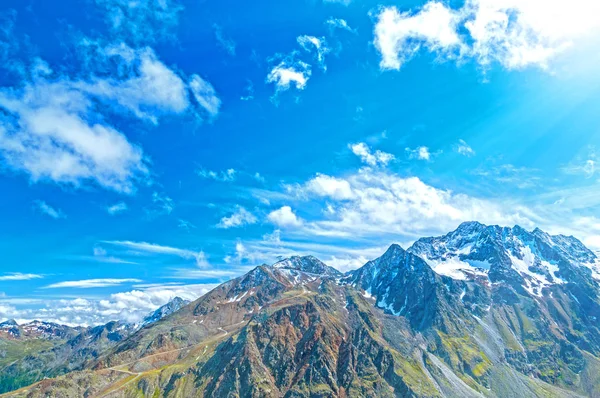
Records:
x=154, y=148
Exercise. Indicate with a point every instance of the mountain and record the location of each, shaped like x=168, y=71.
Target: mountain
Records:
x=36, y=329
x=483, y=311
x=167, y=309
x=39, y=350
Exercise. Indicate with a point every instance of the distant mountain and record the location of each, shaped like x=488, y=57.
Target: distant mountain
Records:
x=36, y=329
x=167, y=309
x=42, y=349
x=482, y=311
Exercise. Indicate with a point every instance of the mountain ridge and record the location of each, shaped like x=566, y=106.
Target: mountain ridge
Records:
x=519, y=318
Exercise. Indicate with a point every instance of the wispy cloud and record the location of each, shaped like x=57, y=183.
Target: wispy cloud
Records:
x=48, y=210
x=317, y=46
x=117, y=208
x=17, y=276
x=225, y=43
x=91, y=283
x=186, y=225
x=224, y=176
x=585, y=165
x=161, y=205
x=338, y=23
x=141, y=21
x=198, y=256
x=464, y=149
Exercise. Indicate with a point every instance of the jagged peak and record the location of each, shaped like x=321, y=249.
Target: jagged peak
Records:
x=470, y=225
x=394, y=248
x=309, y=264
x=9, y=322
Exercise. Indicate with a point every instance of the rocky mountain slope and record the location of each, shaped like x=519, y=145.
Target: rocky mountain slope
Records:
x=167, y=309
x=37, y=350
x=483, y=311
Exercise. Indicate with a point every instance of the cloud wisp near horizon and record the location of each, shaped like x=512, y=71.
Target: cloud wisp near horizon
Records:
x=154, y=149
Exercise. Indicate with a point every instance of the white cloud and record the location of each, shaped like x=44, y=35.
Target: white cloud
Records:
x=316, y=45
x=365, y=154
x=101, y=255
x=162, y=205
x=225, y=43
x=398, y=36
x=198, y=256
x=338, y=23
x=286, y=74
x=284, y=217
x=205, y=94
x=421, y=153
x=385, y=206
x=50, y=211
x=343, y=2
x=225, y=176
x=91, y=283
x=324, y=185
x=17, y=276
x=464, y=149
x=239, y=218
x=55, y=128
x=141, y=20
x=184, y=224
x=513, y=33
x=117, y=208
x=130, y=306
x=585, y=167
x=146, y=86
x=51, y=132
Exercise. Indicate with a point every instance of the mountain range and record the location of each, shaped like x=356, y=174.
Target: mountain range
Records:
x=483, y=311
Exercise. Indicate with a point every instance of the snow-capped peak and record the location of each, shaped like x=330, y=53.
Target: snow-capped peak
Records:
x=499, y=253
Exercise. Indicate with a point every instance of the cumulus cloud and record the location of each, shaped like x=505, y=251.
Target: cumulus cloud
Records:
x=146, y=86
x=56, y=128
x=420, y=153
x=386, y=205
x=513, y=33
x=327, y=186
x=129, y=306
x=51, y=132
x=287, y=74
x=284, y=217
x=398, y=36
x=315, y=45
x=377, y=158
x=239, y=218
x=48, y=210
